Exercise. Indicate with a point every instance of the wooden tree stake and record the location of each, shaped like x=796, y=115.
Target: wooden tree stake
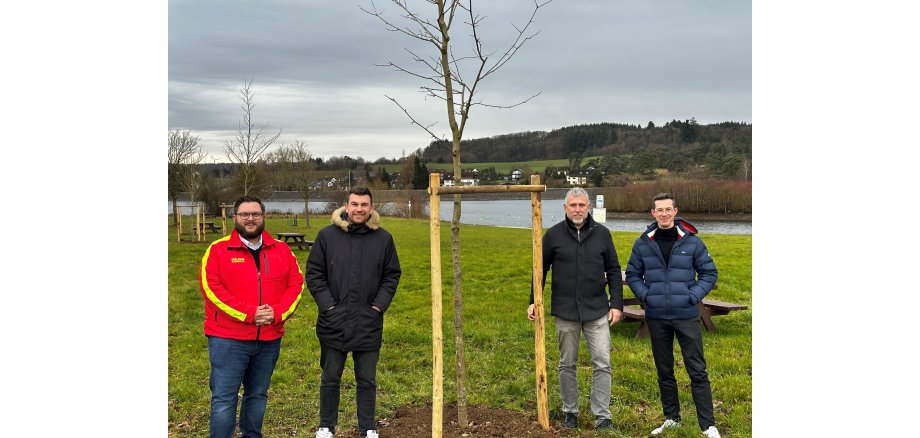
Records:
x=437, y=364
x=539, y=335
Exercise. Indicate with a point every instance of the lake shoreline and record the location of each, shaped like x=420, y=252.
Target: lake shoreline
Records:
x=549, y=198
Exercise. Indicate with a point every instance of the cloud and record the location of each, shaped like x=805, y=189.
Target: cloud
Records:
x=315, y=78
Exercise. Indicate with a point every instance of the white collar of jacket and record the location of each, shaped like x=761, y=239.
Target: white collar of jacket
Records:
x=680, y=230
x=372, y=223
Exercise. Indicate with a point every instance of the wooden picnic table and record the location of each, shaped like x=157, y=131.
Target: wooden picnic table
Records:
x=210, y=226
x=633, y=312
x=295, y=239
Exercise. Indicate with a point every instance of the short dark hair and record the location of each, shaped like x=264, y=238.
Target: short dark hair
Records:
x=360, y=191
x=247, y=198
x=664, y=196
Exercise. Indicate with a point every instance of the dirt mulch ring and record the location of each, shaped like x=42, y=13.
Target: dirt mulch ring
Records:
x=415, y=422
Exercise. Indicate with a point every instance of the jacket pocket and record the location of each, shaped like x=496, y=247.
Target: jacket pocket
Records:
x=331, y=322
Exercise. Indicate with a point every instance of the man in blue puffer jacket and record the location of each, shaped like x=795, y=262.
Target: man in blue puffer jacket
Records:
x=670, y=271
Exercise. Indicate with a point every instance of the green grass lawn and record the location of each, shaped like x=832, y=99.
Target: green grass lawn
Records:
x=499, y=339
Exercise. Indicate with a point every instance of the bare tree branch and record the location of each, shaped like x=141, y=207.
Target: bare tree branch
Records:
x=415, y=122
x=247, y=147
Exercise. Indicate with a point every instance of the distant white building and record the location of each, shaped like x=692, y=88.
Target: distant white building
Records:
x=449, y=182
x=517, y=174
x=576, y=178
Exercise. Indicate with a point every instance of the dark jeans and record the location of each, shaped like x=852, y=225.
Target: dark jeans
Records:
x=690, y=338
x=332, y=362
x=235, y=362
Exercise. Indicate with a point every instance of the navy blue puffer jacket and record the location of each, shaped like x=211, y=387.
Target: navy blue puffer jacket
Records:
x=671, y=291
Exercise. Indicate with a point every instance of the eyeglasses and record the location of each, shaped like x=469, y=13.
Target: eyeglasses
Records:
x=663, y=210
x=249, y=215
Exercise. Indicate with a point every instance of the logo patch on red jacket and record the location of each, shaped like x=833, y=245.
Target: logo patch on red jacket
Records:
x=237, y=260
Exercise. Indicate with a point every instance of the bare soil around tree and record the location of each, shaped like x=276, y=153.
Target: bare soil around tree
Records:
x=415, y=422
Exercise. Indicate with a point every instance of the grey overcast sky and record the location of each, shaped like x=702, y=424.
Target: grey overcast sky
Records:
x=315, y=78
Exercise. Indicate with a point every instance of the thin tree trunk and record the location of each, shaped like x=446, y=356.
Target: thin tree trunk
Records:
x=458, y=314
x=306, y=207
x=175, y=203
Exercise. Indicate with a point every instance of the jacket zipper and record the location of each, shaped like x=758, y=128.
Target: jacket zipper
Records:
x=259, y=278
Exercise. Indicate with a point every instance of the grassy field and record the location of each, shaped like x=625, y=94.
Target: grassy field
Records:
x=499, y=339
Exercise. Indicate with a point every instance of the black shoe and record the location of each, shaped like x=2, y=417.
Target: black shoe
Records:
x=605, y=425
x=569, y=420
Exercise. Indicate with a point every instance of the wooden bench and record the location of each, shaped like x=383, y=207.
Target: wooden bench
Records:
x=210, y=226
x=633, y=312
x=295, y=239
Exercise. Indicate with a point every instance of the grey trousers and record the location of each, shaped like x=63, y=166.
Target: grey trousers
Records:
x=597, y=335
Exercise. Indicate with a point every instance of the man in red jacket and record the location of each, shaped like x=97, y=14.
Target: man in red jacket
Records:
x=251, y=285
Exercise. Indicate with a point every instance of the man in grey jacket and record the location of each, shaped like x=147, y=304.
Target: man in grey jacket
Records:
x=584, y=263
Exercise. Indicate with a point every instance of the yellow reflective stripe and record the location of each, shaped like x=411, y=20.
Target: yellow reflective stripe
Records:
x=299, y=295
x=207, y=290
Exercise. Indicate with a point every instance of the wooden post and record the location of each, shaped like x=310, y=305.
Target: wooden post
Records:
x=223, y=219
x=199, y=231
x=179, y=234
x=539, y=335
x=437, y=365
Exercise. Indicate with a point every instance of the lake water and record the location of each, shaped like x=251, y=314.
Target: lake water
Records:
x=516, y=213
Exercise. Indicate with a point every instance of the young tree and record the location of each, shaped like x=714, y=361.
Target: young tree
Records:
x=249, y=144
x=453, y=78
x=295, y=167
x=184, y=154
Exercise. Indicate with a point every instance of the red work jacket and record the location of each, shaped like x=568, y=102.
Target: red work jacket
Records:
x=233, y=287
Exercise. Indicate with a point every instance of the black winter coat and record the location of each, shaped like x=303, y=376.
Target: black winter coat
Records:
x=352, y=267
x=584, y=262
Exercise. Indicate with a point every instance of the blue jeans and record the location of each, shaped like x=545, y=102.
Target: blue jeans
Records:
x=332, y=362
x=235, y=362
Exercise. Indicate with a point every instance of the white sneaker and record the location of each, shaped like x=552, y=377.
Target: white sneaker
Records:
x=324, y=432
x=372, y=434
x=712, y=432
x=667, y=423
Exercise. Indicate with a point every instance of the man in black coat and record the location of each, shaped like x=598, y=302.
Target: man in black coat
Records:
x=352, y=273
x=584, y=262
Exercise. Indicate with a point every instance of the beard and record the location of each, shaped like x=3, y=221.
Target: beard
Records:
x=241, y=229
x=578, y=221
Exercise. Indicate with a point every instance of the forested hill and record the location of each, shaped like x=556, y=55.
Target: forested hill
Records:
x=685, y=140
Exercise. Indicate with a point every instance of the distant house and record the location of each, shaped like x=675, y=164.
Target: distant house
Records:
x=517, y=174
x=325, y=183
x=448, y=181
x=576, y=178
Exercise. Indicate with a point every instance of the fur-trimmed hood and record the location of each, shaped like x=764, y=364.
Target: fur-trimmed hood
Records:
x=340, y=219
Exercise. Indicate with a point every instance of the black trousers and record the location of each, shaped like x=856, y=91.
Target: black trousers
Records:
x=690, y=337
x=332, y=362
